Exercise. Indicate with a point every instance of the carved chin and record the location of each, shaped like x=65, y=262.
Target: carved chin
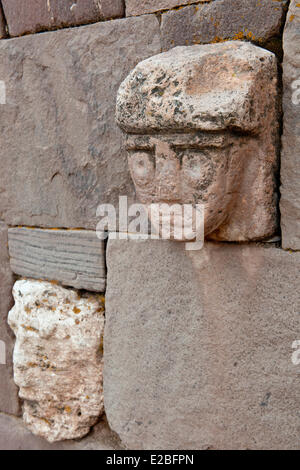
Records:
x=177, y=224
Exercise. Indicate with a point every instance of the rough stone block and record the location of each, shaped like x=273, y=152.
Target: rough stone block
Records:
x=61, y=90
x=290, y=162
x=136, y=7
x=222, y=20
x=9, y=401
x=34, y=16
x=73, y=257
x=58, y=358
x=15, y=436
x=198, y=346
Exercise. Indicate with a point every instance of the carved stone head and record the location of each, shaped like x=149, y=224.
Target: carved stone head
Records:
x=202, y=128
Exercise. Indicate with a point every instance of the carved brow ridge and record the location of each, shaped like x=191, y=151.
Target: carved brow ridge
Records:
x=189, y=142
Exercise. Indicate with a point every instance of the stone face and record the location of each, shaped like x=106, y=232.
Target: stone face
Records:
x=222, y=20
x=34, y=16
x=9, y=402
x=136, y=7
x=75, y=258
x=61, y=91
x=58, y=358
x=205, y=127
x=14, y=436
x=198, y=346
x=290, y=163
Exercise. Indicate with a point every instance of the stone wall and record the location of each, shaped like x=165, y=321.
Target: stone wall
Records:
x=197, y=345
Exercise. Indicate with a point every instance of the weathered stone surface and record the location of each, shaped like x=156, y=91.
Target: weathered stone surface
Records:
x=3, y=32
x=34, y=16
x=136, y=7
x=209, y=121
x=258, y=21
x=198, y=346
x=15, y=436
x=58, y=358
x=73, y=257
x=9, y=402
x=290, y=162
x=61, y=91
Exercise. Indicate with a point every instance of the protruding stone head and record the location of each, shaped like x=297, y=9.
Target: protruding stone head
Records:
x=202, y=127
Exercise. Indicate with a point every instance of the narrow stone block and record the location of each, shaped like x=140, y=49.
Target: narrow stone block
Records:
x=290, y=158
x=73, y=257
x=9, y=401
x=33, y=16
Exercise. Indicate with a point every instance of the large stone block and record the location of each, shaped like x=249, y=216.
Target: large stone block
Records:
x=290, y=162
x=58, y=358
x=75, y=258
x=9, y=402
x=61, y=150
x=221, y=20
x=136, y=7
x=198, y=346
x=34, y=16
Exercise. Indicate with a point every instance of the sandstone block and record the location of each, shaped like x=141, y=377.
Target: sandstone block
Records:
x=290, y=163
x=221, y=20
x=34, y=16
x=9, y=401
x=198, y=346
x=75, y=258
x=136, y=7
x=61, y=91
x=58, y=358
x=203, y=128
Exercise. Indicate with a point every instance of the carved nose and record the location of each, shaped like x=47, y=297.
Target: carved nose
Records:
x=167, y=174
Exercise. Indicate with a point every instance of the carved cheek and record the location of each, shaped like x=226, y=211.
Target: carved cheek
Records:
x=198, y=170
x=141, y=168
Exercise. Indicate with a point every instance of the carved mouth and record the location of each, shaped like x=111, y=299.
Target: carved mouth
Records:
x=176, y=221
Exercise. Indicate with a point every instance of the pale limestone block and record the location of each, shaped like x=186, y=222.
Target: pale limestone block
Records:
x=58, y=358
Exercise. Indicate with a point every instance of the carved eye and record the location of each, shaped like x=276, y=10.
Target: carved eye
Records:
x=198, y=169
x=142, y=166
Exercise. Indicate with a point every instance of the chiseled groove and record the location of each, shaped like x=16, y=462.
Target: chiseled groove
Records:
x=40, y=254
x=56, y=267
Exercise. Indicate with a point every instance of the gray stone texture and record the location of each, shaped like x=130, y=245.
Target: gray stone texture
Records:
x=138, y=7
x=258, y=21
x=14, y=436
x=3, y=32
x=75, y=258
x=290, y=161
x=33, y=16
x=9, y=402
x=61, y=150
x=198, y=346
